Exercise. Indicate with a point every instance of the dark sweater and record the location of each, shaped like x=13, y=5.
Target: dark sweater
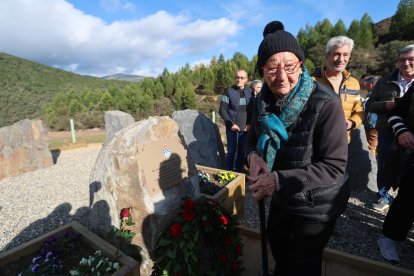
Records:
x=233, y=106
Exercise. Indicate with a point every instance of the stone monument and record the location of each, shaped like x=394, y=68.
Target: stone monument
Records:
x=202, y=137
x=146, y=167
x=115, y=121
x=24, y=147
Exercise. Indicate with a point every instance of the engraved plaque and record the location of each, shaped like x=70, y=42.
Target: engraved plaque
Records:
x=164, y=163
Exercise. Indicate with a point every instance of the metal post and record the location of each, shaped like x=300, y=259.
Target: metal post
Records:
x=213, y=116
x=72, y=128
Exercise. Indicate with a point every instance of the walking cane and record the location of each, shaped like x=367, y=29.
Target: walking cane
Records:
x=236, y=154
x=262, y=218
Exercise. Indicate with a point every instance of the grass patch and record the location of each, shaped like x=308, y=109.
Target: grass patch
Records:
x=66, y=142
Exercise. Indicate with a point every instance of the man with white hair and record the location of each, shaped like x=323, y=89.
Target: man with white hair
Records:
x=382, y=101
x=334, y=75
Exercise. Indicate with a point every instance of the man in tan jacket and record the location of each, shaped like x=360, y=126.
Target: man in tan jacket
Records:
x=334, y=75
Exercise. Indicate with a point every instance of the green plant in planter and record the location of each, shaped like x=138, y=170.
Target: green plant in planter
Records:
x=95, y=265
x=122, y=237
x=50, y=258
x=203, y=176
x=226, y=177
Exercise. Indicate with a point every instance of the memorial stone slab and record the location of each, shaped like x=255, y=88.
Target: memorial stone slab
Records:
x=145, y=166
x=116, y=120
x=24, y=147
x=202, y=137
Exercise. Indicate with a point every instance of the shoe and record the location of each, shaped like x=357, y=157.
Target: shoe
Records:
x=388, y=249
x=382, y=204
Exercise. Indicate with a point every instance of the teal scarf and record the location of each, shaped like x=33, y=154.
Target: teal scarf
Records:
x=274, y=127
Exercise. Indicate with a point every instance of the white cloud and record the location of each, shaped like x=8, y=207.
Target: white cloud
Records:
x=55, y=33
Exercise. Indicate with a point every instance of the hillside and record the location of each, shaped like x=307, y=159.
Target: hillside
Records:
x=25, y=87
x=124, y=77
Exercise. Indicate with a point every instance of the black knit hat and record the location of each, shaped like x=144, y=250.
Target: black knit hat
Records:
x=275, y=42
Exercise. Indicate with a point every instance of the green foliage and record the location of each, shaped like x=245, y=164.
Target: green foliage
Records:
x=324, y=29
x=339, y=28
x=95, y=265
x=402, y=23
x=26, y=87
x=122, y=237
x=389, y=54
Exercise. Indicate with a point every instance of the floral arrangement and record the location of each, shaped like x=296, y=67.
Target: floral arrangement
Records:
x=202, y=240
x=210, y=185
x=203, y=176
x=51, y=258
x=122, y=237
x=54, y=250
x=226, y=177
x=95, y=265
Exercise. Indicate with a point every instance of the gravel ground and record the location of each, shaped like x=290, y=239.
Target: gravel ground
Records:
x=356, y=231
x=34, y=203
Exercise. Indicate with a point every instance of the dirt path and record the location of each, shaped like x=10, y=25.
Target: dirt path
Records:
x=79, y=133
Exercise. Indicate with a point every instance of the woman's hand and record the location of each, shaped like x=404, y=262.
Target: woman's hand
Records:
x=406, y=139
x=263, y=185
x=262, y=182
x=256, y=165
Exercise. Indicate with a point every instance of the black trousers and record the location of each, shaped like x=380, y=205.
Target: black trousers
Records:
x=400, y=216
x=297, y=245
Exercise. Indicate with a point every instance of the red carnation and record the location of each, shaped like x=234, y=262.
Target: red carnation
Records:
x=189, y=204
x=176, y=229
x=223, y=258
x=238, y=249
x=125, y=213
x=224, y=220
x=188, y=214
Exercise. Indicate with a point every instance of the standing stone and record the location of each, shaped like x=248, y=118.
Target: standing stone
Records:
x=362, y=165
x=146, y=167
x=24, y=147
x=116, y=120
x=202, y=137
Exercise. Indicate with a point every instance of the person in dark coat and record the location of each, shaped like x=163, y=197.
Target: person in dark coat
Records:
x=400, y=216
x=296, y=154
x=234, y=106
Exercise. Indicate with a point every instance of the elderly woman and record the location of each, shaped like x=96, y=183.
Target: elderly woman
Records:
x=296, y=154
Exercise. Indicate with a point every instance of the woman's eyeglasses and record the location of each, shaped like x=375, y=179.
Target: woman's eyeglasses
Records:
x=289, y=68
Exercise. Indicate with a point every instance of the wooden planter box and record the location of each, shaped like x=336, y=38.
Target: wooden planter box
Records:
x=129, y=266
x=232, y=195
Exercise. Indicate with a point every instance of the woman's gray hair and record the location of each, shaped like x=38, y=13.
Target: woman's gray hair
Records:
x=406, y=49
x=339, y=41
x=254, y=83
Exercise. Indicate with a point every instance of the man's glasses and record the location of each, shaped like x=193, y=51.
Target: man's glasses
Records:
x=289, y=68
x=404, y=60
x=239, y=78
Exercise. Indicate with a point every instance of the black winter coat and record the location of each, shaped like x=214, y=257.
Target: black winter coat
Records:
x=311, y=164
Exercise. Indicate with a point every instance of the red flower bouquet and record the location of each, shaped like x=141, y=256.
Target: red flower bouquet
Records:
x=201, y=240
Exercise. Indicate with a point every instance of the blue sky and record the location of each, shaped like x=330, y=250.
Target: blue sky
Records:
x=104, y=37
